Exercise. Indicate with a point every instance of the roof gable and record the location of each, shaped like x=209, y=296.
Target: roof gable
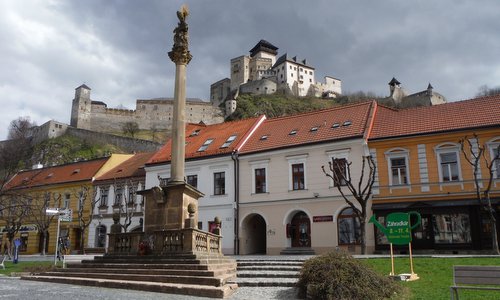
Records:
x=132, y=167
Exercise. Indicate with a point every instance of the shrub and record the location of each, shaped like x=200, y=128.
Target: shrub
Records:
x=337, y=275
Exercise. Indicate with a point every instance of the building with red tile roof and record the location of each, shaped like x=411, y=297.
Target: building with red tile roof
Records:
x=422, y=168
x=210, y=168
x=286, y=203
x=116, y=192
x=67, y=186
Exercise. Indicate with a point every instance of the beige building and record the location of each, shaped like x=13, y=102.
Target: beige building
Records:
x=285, y=201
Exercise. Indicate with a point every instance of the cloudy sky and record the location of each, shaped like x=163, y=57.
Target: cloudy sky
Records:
x=119, y=48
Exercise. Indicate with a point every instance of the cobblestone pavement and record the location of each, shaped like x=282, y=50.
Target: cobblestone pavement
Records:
x=14, y=288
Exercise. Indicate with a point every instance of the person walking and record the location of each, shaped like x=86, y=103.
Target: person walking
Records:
x=6, y=245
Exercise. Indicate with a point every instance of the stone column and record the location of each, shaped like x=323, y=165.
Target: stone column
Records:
x=181, y=56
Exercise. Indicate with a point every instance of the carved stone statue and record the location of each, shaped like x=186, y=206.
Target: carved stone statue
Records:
x=180, y=52
x=116, y=227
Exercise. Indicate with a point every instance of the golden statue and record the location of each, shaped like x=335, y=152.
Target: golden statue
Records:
x=180, y=52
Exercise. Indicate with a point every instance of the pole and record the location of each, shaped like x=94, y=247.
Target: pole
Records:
x=411, y=259
x=392, y=262
x=57, y=238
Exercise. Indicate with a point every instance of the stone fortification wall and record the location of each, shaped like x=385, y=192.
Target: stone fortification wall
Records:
x=149, y=114
x=125, y=143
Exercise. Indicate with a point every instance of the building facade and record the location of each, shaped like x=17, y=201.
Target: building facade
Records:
x=422, y=168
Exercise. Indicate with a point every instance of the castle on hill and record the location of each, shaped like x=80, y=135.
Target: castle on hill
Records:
x=150, y=114
x=263, y=72
x=403, y=99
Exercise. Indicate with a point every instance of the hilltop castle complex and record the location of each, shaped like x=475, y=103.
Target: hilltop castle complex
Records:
x=149, y=114
x=262, y=72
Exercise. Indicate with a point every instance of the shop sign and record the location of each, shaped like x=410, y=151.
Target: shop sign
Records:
x=317, y=219
x=397, y=227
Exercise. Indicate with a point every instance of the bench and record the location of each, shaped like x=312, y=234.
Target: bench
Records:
x=475, y=278
x=77, y=258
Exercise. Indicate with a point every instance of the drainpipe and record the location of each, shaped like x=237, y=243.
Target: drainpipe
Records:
x=234, y=157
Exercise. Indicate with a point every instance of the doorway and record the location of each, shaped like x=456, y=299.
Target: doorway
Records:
x=300, y=230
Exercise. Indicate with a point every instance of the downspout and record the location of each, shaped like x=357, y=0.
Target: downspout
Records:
x=236, y=205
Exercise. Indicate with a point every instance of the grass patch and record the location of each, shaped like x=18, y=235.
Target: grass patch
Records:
x=436, y=275
x=28, y=266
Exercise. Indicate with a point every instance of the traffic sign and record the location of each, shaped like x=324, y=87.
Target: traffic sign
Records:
x=66, y=215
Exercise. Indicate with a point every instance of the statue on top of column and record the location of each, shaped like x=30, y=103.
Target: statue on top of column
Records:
x=180, y=52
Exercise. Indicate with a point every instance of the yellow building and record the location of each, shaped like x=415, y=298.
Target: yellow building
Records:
x=421, y=167
x=66, y=187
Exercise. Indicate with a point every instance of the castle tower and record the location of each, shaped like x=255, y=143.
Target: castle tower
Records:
x=81, y=108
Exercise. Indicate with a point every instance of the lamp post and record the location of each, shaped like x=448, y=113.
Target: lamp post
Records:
x=58, y=213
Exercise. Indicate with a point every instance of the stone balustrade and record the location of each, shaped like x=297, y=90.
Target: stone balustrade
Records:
x=183, y=241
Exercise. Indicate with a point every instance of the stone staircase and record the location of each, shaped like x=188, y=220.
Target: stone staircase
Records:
x=186, y=274
x=269, y=271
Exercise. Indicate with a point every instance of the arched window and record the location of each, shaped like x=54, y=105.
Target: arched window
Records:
x=348, y=227
x=100, y=236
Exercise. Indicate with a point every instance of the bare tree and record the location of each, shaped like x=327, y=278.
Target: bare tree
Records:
x=16, y=208
x=39, y=216
x=20, y=128
x=130, y=128
x=361, y=190
x=126, y=201
x=474, y=152
x=84, y=196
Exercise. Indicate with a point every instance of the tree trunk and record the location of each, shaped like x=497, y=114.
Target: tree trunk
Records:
x=362, y=224
x=44, y=242
x=494, y=234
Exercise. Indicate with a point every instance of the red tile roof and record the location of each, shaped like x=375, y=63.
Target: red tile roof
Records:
x=311, y=127
x=474, y=113
x=131, y=168
x=74, y=172
x=197, y=134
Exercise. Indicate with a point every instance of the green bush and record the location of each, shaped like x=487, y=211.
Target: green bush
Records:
x=337, y=275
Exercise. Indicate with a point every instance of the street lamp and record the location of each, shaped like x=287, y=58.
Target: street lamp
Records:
x=58, y=213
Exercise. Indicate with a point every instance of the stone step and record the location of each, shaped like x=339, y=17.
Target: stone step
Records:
x=270, y=263
x=268, y=268
x=297, y=251
x=274, y=274
x=211, y=281
x=180, y=272
x=106, y=265
x=268, y=282
x=132, y=260
x=169, y=288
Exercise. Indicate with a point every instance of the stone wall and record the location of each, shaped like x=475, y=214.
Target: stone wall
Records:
x=125, y=143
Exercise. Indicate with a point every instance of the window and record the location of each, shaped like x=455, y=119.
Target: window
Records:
x=349, y=229
x=67, y=198
x=131, y=195
x=118, y=196
x=205, y=145
x=229, y=141
x=192, y=180
x=398, y=171
x=494, y=146
x=104, y=196
x=449, y=166
x=260, y=180
x=340, y=171
x=100, y=236
x=219, y=183
x=298, y=179
x=451, y=228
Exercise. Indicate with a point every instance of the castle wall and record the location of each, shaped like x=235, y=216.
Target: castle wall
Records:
x=125, y=143
x=259, y=87
x=219, y=91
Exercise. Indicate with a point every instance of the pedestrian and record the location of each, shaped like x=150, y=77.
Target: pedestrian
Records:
x=6, y=245
x=67, y=245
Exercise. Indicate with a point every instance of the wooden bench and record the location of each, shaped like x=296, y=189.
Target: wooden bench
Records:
x=475, y=278
x=77, y=258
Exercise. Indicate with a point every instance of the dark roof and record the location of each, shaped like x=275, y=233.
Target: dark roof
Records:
x=284, y=58
x=394, y=81
x=99, y=103
x=265, y=46
x=83, y=86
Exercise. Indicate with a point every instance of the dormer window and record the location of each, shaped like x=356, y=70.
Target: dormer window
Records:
x=313, y=129
x=336, y=125
x=293, y=132
x=229, y=141
x=347, y=123
x=195, y=133
x=205, y=145
x=264, y=137
x=76, y=171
